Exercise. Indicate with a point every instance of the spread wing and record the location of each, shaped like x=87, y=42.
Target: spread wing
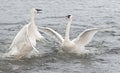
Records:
x=52, y=33
x=21, y=35
x=86, y=36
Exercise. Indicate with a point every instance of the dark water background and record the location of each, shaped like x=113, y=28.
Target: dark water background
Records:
x=86, y=14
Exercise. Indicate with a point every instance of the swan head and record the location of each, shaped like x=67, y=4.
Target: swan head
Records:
x=69, y=17
x=33, y=10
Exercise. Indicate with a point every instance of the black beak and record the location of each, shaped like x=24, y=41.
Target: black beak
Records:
x=68, y=16
x=38, y=10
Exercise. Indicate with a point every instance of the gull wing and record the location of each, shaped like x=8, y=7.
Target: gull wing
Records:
x=52, y=33
x=86, y=36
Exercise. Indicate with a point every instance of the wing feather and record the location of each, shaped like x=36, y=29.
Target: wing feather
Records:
x=86, y=36
x=52, y=33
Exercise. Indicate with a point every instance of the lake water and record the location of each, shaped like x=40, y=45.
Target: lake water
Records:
x=14, y=14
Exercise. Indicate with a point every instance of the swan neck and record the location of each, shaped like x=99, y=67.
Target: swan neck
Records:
x=32, y=17
x=67, y=30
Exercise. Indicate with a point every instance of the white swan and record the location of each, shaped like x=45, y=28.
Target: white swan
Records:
x=25, y=41
x=77, y=45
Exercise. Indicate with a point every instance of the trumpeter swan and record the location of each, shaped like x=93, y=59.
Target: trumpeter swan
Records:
x=25, y=40
x=77, y=45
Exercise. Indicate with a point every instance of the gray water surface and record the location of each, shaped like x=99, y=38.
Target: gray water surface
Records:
x=14, y=14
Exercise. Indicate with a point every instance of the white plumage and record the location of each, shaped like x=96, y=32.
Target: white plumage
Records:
x=77, y=45
x=25, y=40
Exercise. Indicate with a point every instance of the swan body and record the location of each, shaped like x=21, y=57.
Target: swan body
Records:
x=77, y=45
x=25, y=40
